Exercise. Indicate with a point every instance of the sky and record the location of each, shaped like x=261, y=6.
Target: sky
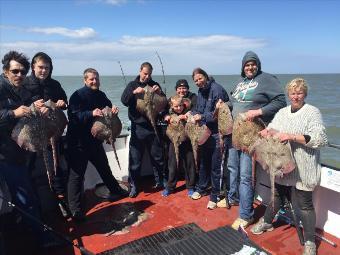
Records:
x=288, y=36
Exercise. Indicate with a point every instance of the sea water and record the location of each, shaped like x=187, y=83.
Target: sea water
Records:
x=324, y=93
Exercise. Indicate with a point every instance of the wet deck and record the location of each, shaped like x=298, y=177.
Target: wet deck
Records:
x=96, y=234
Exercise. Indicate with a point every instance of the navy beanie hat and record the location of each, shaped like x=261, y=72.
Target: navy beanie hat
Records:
x=182, y=83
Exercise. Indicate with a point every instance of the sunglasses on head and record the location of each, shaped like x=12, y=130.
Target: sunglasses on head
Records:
x=16, y=71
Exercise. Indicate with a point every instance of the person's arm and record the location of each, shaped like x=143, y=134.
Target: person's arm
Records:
x=128, y=97
x=77, y=111
x=316, y=130
x=276, y=97
x=62, y=98
x=218, y=93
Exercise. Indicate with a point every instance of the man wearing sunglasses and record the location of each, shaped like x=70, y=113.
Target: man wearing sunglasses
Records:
x=14, y=104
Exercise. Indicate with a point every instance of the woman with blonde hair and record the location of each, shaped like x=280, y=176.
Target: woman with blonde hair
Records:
x=300, y=124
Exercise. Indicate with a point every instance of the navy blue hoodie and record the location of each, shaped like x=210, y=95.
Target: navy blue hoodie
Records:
x=206, y=103
x=262, y=91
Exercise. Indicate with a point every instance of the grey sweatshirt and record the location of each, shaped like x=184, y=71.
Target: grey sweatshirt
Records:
x=263, y=91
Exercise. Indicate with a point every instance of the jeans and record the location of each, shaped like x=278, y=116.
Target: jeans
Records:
x=210, y=167
x=240, y=168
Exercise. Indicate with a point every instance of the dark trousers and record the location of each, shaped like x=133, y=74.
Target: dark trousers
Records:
x=210, y=167
x=186, y=162
x=59, y=179
x=18, y=182
x=303, y=200
x=78, y=158
x=136, y=152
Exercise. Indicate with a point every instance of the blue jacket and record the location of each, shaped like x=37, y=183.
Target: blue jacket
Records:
x=206, y=102
x=81, y=105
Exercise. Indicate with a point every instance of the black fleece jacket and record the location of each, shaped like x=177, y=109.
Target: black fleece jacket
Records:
x=82, y=103
x=139, y=123
x=11, y=98
x=48, y=89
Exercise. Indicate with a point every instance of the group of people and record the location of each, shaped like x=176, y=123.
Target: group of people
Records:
x=257, y=94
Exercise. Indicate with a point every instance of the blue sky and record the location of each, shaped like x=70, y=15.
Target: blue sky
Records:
x=289, y=36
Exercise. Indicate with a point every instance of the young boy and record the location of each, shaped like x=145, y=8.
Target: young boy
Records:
x=178, y=107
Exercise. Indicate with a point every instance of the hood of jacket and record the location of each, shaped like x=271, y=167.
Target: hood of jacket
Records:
x=49, y=60
x=251, y=56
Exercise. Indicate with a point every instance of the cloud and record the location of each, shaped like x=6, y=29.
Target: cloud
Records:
x=179, y=54
x=85, y=32
x=115, y=2
x=82, y=33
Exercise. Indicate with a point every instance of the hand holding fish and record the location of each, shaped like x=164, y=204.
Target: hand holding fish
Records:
x=197, y=117
x=156, y=88
x=21, y=111
x=115, y=109
x=39, y=103
x=251, y=114
x=138, y=90
x=183, y=117
x=97, y=112
x=44, y=110
x=60, y=104
x=219, y=103
x=284, y=137
x=167, y=118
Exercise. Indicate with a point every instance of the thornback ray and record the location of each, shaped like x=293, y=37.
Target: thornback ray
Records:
x=107, y=128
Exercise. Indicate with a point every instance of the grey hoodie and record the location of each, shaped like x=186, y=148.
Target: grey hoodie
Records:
x=262, y=91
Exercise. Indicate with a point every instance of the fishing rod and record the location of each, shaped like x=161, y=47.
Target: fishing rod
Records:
x=289, y=221
x=82, y=249
x=121, y=69
x=160, y=60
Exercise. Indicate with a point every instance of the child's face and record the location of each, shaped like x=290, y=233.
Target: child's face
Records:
x=177, y=107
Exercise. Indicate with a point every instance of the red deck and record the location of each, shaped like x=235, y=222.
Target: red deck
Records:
x=164, y=213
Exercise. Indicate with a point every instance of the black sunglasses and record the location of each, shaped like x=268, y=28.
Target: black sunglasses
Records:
x=16, y=71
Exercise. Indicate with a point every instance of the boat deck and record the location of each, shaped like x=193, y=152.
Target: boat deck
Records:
x=158, y=214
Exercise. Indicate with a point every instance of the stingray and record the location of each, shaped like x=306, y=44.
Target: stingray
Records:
x=107, y=128
x=198, y=135
x=151, y=105
x=56, y=122
x=245, y=132
x=274, y=157
x=224, y=121
x=33, y=133
x=176, y=133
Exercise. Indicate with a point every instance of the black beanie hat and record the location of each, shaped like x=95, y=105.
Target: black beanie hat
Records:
x=182, y=83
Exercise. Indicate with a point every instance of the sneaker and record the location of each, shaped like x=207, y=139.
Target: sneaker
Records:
x=241, y=222
x=309, y=249
x=166, y=193
x=133, y=192
x=196, y=195
x=65, y=211
x=211, y=205
x=190, y=192
x=261, y=227
x=222, y=203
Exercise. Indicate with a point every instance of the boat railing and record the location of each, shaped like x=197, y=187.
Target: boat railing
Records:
x=335, y=146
